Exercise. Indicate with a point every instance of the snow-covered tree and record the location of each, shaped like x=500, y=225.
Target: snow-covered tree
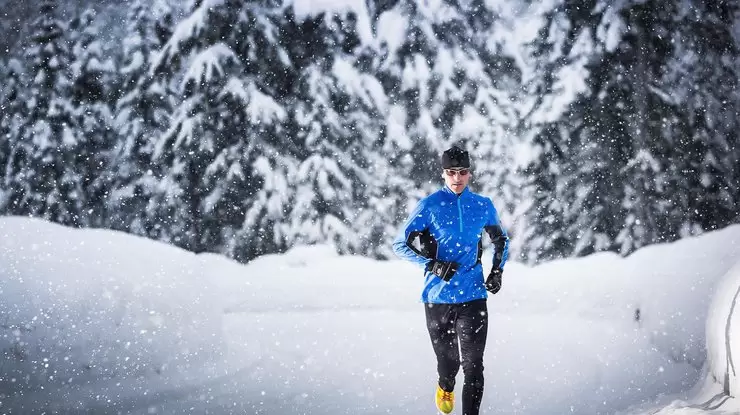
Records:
x=225, y=154
x=449, y=82
x=60, y=123
x=624, y=153
x=11, y=118
x=545, y=237
x=453, y=83
x=141, y=115
x=43, y=176
x=601, y=136
x=338, y=120
x=704, y=79
x=93, y=78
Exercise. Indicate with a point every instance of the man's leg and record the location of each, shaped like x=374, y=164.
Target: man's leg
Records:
x=441, y=325
x=472, y=326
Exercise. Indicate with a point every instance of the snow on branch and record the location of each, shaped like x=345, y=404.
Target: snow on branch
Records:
x=264, y=109
x=190, y=28
x=235, y=88
x=186, y=132
x=182, y=130
x=207, y=63
x=366, y=87
x=665, y=96
x=644, y=161
x=332, y=8
x=136, y=62
x=259, y=107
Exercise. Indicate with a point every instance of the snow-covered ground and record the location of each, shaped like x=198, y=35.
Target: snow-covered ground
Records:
x=94, y=321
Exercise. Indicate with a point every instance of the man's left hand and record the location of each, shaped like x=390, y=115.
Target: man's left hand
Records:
x=493, y=282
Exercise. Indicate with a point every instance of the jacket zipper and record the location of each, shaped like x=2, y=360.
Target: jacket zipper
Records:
x=459, y=211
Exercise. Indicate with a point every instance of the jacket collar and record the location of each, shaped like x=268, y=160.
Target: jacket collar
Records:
x=449, y=191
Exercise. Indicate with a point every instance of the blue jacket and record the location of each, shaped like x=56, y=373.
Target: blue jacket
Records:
x=449, y=228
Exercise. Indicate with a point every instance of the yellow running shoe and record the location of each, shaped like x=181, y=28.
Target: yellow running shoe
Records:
x=445, y=400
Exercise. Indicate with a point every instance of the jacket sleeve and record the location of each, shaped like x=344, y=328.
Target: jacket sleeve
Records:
x=499, y=238
x=416, y=223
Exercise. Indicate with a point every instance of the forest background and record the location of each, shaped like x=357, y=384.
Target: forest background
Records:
x=249, y=127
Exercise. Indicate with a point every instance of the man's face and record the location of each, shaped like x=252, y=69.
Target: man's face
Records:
x=456, y=179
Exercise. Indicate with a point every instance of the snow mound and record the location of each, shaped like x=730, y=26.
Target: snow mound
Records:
x=135, y=309
x=723, y=333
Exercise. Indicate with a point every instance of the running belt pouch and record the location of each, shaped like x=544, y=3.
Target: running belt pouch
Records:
x=444, y=270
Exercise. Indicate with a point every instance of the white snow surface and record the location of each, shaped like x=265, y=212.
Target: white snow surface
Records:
x=96, y=321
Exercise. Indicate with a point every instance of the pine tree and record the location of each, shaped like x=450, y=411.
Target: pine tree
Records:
x=141, y=116
x=609, y=140
x=450, y=84
x=703, y=79
x=11, y=111
x=338, y=121
x=548, y=238
x=454, y=84
x=42, y=176
x=626, y=146
x=403, y=69
x=225, y=152
x=92, y=96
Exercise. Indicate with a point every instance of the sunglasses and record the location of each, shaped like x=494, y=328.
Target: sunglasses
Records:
x=452, y=173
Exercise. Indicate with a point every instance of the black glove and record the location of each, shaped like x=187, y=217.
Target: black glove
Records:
x=442, y=269
x=493, y=282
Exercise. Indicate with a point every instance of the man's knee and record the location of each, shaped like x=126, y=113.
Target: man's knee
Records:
x=473, y=369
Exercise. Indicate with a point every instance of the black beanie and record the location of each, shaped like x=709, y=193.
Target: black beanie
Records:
x=455, y=158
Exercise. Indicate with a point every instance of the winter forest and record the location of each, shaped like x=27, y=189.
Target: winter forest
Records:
x=246, y=127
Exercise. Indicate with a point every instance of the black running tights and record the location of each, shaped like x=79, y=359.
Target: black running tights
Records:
x=460, y=330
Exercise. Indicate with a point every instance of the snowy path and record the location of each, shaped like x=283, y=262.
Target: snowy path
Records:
x=355, y=362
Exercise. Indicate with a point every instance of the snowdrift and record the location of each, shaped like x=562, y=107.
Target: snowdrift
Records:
x=82, y=305
x=723, y=333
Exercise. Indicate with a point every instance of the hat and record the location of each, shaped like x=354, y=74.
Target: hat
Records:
x=455, y=158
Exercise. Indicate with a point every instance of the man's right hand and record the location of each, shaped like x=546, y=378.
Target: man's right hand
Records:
x=442, y=269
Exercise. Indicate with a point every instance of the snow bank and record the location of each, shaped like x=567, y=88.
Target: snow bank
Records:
x=664, y=289
x=675, y=283
x=88, y=304
x=723, y=333
x=716, y=391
